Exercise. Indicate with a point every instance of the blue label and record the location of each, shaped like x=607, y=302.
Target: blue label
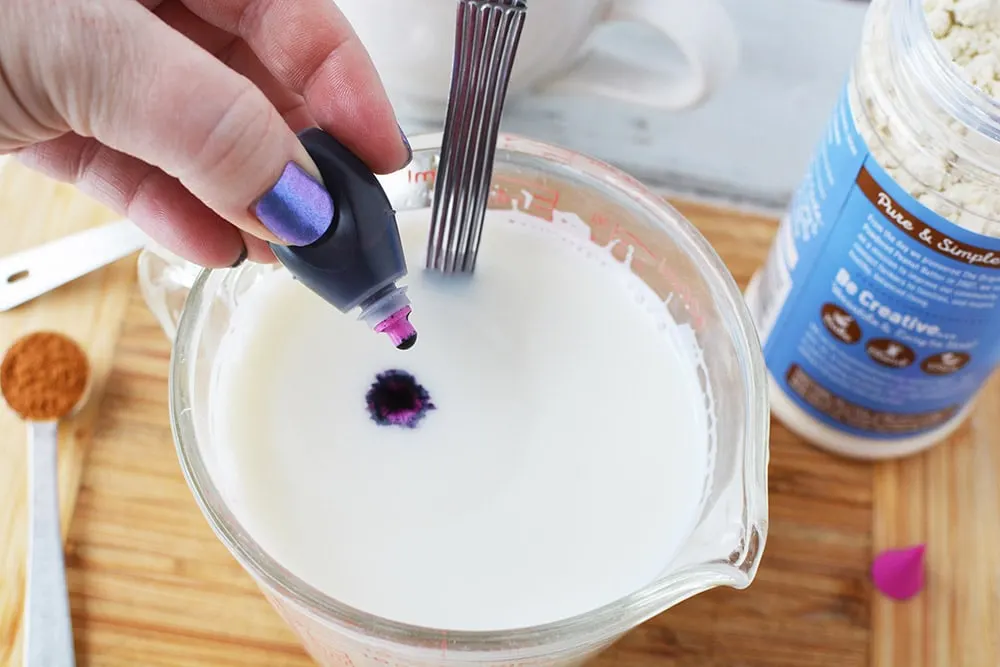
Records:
x=880, y=316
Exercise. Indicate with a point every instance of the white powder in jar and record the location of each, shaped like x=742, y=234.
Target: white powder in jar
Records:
x=968, y=33
x=878, y=319
x=918, y=146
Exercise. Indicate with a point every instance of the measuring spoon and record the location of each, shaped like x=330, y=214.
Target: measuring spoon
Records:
x=29, y=274
x=44, y=378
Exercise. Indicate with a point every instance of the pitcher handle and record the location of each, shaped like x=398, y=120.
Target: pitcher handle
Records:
x=165, y=280
x=701, y=30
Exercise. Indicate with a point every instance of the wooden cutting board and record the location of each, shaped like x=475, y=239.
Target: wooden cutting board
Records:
x=150, y=585
x=33, y=210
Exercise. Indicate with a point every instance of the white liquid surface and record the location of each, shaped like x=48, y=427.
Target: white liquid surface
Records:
x=562, y=469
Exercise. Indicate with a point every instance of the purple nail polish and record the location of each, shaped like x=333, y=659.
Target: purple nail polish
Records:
x=297, y=209
x=406, y=142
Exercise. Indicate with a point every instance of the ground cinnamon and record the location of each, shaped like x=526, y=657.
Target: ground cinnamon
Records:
x=44, y=375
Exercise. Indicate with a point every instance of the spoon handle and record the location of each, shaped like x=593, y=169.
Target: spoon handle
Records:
x=30, y=273
x=48, y=628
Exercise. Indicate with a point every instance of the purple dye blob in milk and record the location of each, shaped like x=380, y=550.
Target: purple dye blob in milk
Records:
x=397, y=399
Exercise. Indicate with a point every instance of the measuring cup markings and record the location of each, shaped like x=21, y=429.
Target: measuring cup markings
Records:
x=379, y=657
x=541, y=205
x=557, y=156
x=692, y=313
x=525, y=197
x=320, y=640
x=600, y=223
x=324, y=654
x=415, y=176
x=553, y=154
x=628, y=249
x=319, y=647
x=619, y=239
x=533, y=200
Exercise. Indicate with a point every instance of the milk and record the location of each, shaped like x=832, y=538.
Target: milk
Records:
x=562, y=467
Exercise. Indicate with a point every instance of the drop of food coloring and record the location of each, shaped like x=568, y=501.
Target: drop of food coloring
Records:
x=397, y=399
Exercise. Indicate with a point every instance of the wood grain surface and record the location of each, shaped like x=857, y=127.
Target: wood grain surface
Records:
x=150, y=584
x=33, y=210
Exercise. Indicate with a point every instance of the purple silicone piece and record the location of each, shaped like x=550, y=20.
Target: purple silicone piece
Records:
x=398, y=328
x=899, y=573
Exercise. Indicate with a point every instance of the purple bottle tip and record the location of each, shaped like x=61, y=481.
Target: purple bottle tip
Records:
x=398, y=328
x=899, y=573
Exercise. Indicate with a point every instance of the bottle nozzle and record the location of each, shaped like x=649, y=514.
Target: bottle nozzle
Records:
x=398, y=328
x=359, y=251
x=388, y=312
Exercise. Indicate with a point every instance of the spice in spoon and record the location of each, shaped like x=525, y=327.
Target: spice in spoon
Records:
x=43, y=376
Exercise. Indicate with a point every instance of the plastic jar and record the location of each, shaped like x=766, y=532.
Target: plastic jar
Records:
x=878, y=303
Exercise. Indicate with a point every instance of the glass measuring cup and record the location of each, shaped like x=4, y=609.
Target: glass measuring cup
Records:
x=661, y=248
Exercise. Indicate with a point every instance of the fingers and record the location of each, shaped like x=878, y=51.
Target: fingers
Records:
x=257, y=250
x=177, y=107
x=151, y=93
x=110, y=176
x=290, y=105
x=233, y=51
x=154, y=201
x=132, y=187
x=310, y=47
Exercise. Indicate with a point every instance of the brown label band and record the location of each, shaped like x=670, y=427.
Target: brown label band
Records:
x=920, y=231
x=857, y=416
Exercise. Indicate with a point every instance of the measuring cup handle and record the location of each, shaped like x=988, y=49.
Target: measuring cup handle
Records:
x=165, y=280
x=700, y=29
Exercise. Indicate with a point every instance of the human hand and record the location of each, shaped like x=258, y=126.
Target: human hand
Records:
x=182, y=114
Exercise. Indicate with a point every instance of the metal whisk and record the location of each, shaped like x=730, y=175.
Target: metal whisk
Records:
x=486, y=38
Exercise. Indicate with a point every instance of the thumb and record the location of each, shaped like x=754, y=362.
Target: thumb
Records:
x=157, y=96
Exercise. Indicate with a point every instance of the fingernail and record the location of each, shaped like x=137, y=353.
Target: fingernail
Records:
x=406, y=142
x=242, y=258
x=297, y=209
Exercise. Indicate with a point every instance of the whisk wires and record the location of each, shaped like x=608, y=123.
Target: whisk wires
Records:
x=486, y=39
